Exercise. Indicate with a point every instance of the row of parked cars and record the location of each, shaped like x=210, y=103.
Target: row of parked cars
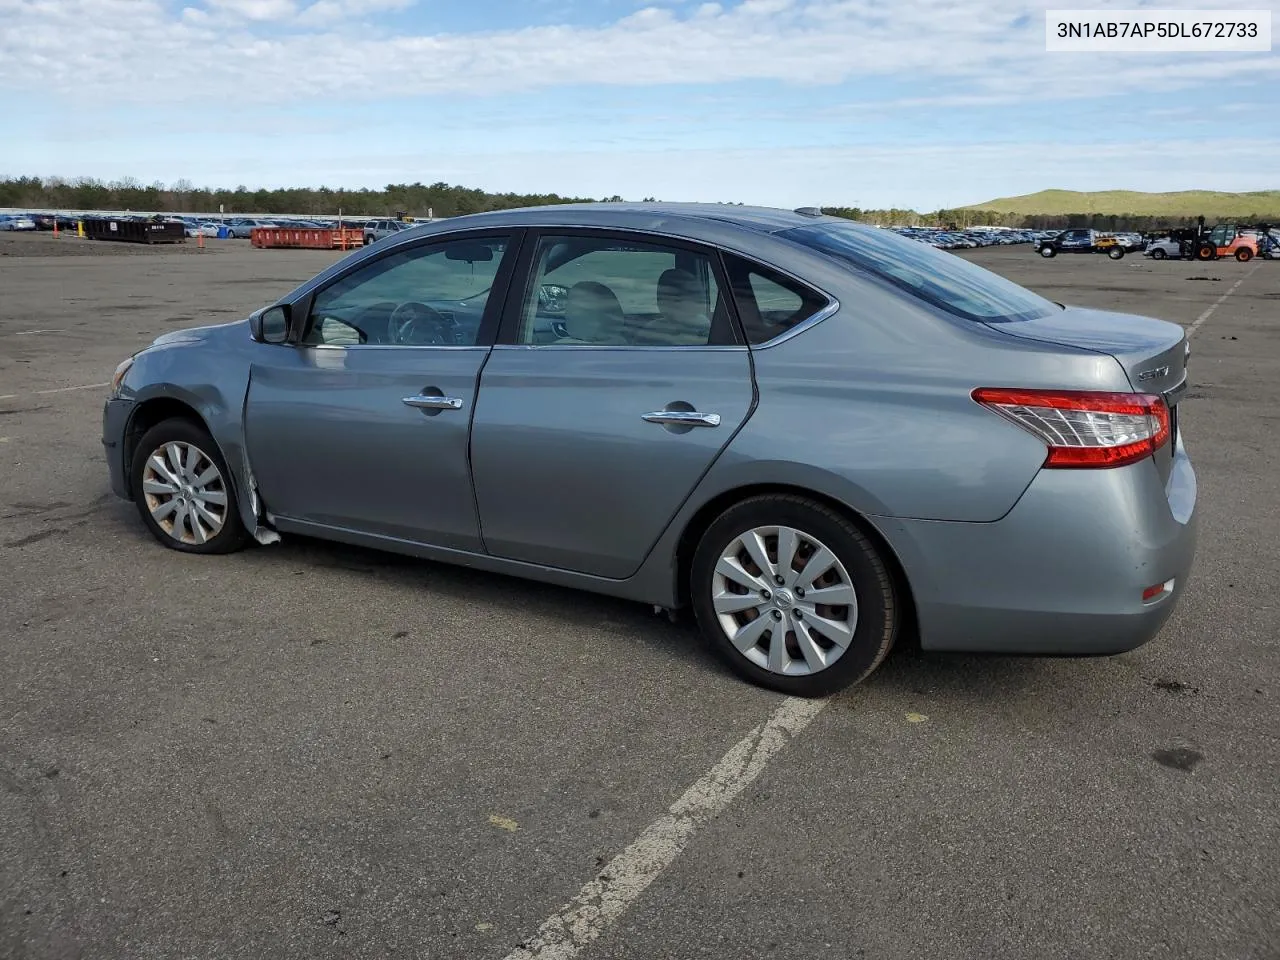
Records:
x=967, y=239
x=241, y=228
x=234, y=228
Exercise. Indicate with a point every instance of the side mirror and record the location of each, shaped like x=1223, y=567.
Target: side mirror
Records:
x=271, y=325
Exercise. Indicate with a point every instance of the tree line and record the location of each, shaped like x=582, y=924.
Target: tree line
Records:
x=411, y=199
x=448, y=200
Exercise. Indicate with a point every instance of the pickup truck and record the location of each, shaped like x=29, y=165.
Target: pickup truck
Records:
x=376, y=230
x=1081, y=241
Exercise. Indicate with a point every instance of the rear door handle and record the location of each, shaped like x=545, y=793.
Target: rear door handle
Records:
x=682, y=418
x=423, y=402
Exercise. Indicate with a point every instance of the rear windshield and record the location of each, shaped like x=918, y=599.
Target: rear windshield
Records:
x=933, y=275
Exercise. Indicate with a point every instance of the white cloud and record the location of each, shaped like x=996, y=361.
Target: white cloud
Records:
x=972, y=50
x=324, y=12
x=256, y=9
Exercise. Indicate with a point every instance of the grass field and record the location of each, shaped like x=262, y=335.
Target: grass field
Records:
x=1211, y=204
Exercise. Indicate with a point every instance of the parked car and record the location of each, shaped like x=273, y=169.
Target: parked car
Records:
x=18, y=222
x=1163, y=248
x=377, y=230
x=811, y=432
x=241, y=228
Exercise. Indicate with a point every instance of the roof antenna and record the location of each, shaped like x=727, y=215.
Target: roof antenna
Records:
x=809, y=211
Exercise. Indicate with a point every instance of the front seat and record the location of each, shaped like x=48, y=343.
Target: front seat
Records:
x=593, y=314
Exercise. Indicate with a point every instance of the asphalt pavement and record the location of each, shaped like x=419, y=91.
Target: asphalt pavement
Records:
x=310, y=750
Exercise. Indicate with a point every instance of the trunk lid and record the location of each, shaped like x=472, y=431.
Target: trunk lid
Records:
x=1152, y=352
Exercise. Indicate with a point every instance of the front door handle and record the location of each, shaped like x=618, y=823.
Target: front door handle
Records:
x=423, y=402
x=682, y=418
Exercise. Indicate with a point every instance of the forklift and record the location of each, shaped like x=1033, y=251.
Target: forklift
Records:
x=1242, y=241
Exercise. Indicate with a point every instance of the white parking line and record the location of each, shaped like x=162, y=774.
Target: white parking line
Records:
x=85, y=386
x=619, y=884
x=1191, y=331
x=42, y=393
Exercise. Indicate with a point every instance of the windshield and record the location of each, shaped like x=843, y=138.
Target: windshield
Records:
x=939, y=278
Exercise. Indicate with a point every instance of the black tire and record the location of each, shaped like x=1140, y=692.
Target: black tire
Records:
x=1048, y=251
x=1116, y=253
x=1207, y=253
x=877, y=621
x=232, y=535
x=1158, y=254
x=1244, y=254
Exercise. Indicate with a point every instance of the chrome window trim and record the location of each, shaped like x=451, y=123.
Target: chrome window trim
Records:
x=390, y=346
x=831, y=309
x=666, y=348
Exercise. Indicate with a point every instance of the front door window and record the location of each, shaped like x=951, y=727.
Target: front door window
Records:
x=432, y=295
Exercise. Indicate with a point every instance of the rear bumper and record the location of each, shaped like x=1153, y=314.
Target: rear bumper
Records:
x=115, y=420
x=1063, y=573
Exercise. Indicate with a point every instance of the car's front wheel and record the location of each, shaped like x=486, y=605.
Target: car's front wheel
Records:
x=182, y=490
x=1158, y=254
x=1047, y=251
x=793, y=596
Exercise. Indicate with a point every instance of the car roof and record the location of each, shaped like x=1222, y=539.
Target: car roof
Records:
x=641, y=216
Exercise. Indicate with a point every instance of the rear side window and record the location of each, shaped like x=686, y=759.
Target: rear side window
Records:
x=934, y=276
x=769, y=303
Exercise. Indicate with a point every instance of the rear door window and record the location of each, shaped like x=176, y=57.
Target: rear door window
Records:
x=620, y=291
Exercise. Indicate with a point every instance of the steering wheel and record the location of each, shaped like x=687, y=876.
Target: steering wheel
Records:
x=416, y=324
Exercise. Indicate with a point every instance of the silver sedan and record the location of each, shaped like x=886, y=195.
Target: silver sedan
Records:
x=817, y=436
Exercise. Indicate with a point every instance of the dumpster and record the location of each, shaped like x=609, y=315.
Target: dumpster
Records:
x=310, y=238
x=136, y=231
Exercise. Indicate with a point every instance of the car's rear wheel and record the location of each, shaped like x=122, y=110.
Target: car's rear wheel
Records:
x=1244, y=254
x=793, y=596
x=1158, y=254
x=182, y=490
x=1115, y=253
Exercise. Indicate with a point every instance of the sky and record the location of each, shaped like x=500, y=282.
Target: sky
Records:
x=871, y=103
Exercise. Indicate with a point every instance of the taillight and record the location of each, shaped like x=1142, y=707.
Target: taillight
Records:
x=1082, y=428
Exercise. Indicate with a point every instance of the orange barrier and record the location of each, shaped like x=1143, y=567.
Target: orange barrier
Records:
x=309, y=238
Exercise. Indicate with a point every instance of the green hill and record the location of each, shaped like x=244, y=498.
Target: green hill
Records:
x=1212, y=204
